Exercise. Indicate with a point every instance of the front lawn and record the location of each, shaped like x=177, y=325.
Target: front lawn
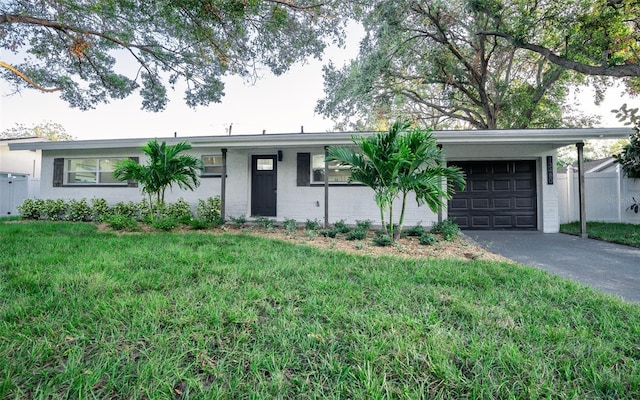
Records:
x=628, y=234
x=93, y=314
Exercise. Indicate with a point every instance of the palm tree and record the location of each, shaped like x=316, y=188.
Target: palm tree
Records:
x=165, y=167
x=396, y=163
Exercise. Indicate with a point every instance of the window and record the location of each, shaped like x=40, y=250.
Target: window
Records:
x=91, y=171
x=337, y=173
x=264, y=164
x=212, y=165
x=88, y=171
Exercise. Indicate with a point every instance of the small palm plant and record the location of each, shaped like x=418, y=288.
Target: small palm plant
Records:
x=165, y=167
x=396, y=163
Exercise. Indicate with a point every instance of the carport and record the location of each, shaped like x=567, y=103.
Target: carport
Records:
x=511, y=175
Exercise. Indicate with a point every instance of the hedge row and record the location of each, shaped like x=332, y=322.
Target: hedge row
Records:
x=98, y=210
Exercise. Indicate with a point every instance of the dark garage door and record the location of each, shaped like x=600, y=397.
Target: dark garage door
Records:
x=498, y=195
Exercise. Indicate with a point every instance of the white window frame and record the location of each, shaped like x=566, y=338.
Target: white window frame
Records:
x=205, y=165
x=336, y=172
x=97, y=173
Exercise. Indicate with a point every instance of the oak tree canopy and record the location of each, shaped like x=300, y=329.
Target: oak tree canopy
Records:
x=85, y=50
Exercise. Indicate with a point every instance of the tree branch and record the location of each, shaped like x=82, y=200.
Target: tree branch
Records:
x=27, y=79
x=618, y=71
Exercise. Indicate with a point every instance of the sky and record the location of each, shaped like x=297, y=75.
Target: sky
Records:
x=275, y=104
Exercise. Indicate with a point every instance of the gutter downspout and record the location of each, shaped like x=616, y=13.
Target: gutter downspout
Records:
x=583, y=213
x=223, y=184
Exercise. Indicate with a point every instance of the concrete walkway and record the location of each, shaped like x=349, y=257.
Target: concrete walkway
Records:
x=605, y=266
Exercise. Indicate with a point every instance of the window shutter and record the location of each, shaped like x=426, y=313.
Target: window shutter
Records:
x=131, y=182
x=304, y=169
x=58, y=172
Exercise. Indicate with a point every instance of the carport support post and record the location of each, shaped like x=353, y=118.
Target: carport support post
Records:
x=583, y=214
x=326, y=187
x=444, y=182
x=223, y=183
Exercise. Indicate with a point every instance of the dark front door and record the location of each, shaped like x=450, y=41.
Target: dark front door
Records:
x=264, y=178
x=498, y=195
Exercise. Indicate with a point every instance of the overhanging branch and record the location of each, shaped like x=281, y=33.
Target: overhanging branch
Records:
x=618, y=71
x=27, y=79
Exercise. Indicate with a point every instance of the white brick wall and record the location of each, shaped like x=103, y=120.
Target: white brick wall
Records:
x=350, y=203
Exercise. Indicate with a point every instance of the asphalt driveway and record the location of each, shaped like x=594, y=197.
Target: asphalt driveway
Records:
x=605, y=266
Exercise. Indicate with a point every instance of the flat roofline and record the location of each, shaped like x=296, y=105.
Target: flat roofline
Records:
x=559, y=137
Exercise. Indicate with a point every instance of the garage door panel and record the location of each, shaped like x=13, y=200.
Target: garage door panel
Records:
x=524, y=184
x=480, y=204
x=459, y=204
x=480, y=221
x=479, y=186
x=462, y=221
x=502, y=185
x=500, y=167
x=502, y=202
x=526, y=221
x=478, y=169
x=524, y=203
x=524, y=167
x=502, y=221
x=499, y=195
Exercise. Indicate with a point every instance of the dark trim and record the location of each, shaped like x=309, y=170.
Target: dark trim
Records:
x=211, y=176
x=304, y=169
x=58, y=172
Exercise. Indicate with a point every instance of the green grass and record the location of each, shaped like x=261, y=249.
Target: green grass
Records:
x=91, y=314
x=628, y=234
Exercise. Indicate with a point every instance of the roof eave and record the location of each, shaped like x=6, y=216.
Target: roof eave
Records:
x=557, y=137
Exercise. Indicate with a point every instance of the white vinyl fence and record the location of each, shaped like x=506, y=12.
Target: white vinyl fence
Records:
x=14, y=190
x=608, y=196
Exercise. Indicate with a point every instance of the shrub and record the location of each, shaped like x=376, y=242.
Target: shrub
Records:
x=364, y=225
x=428, y=239
x=197, y=224
x=78, y=210
x=180, y=211
x=238, y=221
x=331, y=233
x=129, y=209
x=417, y=230
x=447, y=228
x=357, y=234
x=165, y=223
x=382, y=240
x=217, y=222
x=55, y=210
x=312, y=225
x=265, y=222
x=100, y=210
x=120, y=222
x=341, y=226
x=31, y=208
x=290, y=225
x=209, y=209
